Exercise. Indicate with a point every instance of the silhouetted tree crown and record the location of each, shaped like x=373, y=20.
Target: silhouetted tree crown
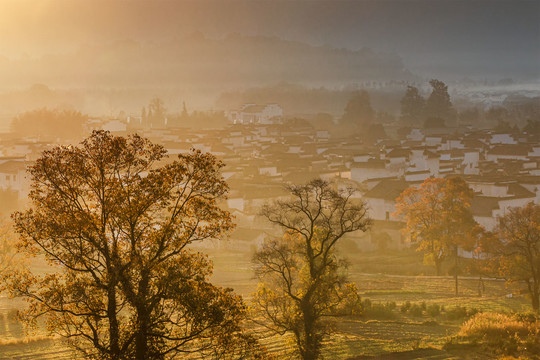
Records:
x=519, y=248
x=438, y=217
x=303, y=282
x=438, y=104
x=358, y=110
x=116, y=218
x=412, y=107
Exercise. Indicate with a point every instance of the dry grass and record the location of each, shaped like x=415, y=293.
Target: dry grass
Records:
x=502, y=334
x=496, y=325
x=25, y=340
x=354, y=336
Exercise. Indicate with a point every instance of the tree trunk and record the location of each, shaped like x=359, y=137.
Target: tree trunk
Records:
x=311, y=342
x=143, y=314
x=438, y=264
x=141, y=339
x=114, y=336
x=456, y=268
x=535, y=294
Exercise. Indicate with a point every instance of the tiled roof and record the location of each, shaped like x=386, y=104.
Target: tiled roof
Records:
x=484, y=205
x=387, y=189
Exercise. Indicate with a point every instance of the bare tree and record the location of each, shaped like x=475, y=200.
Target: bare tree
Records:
x=303, y=282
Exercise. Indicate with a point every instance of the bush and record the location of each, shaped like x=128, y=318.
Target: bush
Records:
x=472, y=312
x=381, y=310
x=502, y=333
x=406, y=306
x=416, y=310
x=366, y=304
x=456, y=313
x=433, y=310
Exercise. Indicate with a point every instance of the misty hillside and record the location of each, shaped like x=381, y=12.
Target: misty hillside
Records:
x=232, y=61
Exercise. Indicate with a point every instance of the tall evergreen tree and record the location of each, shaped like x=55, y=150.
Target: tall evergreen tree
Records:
x=358, y=110
x=412, y=107
x=438, y=104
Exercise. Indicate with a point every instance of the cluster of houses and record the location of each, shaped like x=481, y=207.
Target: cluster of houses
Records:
x=262, y=154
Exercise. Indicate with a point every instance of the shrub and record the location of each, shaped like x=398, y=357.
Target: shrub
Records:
x=13, y=315
x=494, y=325
x=366, y=304
x=416, y=310
x=502, y=333
x=406, y=306
x=381, y=310
x=423, y=305
x=433, y=310
x=456, y=313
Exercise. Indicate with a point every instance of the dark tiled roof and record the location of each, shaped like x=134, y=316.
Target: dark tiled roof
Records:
x=387, y=189
x=253, y=109
x=397, y=153
x=520, y=150
x=12, y=167
x=484, y=205
x=519, y=191
x=370, y=164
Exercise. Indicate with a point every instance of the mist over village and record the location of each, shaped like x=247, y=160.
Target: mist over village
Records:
x=269, y=179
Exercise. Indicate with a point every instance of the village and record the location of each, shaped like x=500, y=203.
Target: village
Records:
x=263, y=150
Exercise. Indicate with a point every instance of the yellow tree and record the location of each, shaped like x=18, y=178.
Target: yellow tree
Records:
x=519, y=251
x=117, y=222
x=438, y=216
x=303, y=282
x=8, y=258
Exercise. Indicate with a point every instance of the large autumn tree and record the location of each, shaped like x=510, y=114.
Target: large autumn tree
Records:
x=303, y=281
x=519, y=251
x=439, y=218
x=114, y=217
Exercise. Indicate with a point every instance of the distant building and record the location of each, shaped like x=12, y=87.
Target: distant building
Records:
x=256, y=114
x=13, y=176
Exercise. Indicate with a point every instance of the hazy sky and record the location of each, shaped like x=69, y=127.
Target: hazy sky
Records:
x=466, y=37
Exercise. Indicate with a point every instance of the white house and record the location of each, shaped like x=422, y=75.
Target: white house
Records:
x=256, y=114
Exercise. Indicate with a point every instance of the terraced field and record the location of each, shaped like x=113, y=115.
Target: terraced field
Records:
x=403, y=336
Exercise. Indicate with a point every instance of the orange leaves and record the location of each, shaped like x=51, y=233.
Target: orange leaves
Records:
x=519, y=250
x=118, y=223
x=438, y=216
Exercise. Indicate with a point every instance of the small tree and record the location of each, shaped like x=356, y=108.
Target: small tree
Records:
x=358, y=110
x=519, y=232
x=8, y=258
x=117, y=225
x=302, y=279
x=412, y=107
x=438, y=104
x=438, y=216
x=156, y=113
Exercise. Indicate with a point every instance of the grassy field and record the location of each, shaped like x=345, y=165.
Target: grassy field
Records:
x=399, y=335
